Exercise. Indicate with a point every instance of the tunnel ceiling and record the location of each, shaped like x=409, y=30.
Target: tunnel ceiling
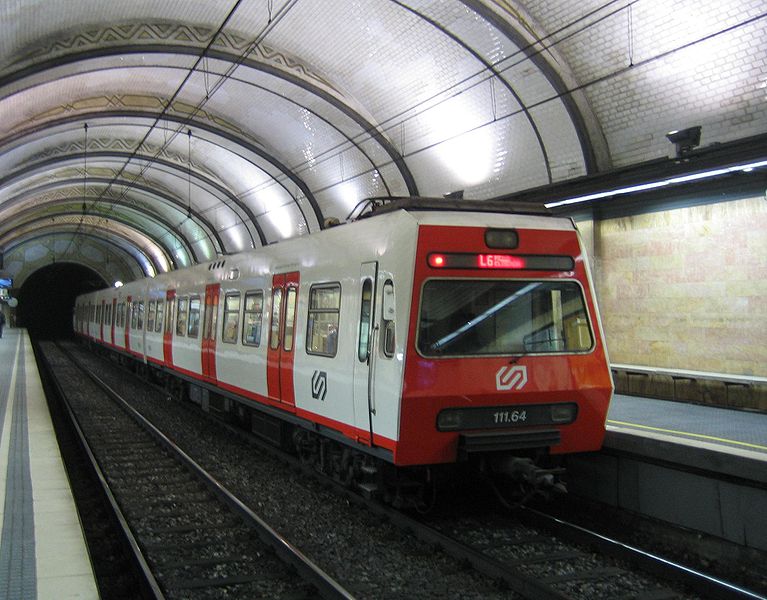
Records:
x=138, y=137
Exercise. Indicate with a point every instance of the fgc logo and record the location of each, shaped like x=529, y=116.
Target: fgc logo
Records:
x=511, y=378
x=319, y=385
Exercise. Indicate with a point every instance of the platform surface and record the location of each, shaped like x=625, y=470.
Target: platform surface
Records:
x=42, y=549
x=729, y=431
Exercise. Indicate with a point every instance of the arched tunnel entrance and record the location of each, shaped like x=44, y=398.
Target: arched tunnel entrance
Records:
x=48, y=296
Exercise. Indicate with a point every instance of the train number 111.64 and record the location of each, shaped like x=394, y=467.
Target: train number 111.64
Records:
x=509, y=416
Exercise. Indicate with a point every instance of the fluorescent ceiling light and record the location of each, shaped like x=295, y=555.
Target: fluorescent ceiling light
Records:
x=657, y=184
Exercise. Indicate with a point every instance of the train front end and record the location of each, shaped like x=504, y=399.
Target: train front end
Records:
x=505, y=357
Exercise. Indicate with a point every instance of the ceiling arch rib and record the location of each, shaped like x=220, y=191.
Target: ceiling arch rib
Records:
x=162, y=233
x=37, y=142
x=231, y=217
x=114, y=259
x=308, y=126
x=197, y=234
x=150, y=257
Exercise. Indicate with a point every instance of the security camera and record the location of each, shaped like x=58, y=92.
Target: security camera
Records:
x=684, y=140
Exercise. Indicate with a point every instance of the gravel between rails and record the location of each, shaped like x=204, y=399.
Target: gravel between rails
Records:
x=370, y=557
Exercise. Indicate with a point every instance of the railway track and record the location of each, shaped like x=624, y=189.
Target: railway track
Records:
x=192, y=537
x=513, y=560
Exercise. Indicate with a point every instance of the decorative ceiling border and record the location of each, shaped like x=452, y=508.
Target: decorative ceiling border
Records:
x=170, y=34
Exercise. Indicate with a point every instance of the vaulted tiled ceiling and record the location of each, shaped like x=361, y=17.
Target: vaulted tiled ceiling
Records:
x=142, y=136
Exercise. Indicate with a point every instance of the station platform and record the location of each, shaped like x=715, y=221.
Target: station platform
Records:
x=42, y=549
x=701, y=467
x=728, y=441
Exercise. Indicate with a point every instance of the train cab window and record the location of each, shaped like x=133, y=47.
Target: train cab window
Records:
x=502, y=317
x=252, y=318
x=324, y=310
x=159, y=316
x=150, y=315
x=274, y=328
x=194, y=317
x=231, y=318
x=182, y=313
x=290, y=318
x=388, y=339
x=363, y=346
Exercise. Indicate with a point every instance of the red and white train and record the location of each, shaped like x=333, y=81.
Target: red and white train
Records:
x=412, y=338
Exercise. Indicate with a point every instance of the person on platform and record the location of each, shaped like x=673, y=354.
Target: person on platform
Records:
x=2, y=322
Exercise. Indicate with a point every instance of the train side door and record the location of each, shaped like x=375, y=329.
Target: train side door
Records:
x=102, y=318
x=209, y=326
x=112, y=318
x=364, y=362
x=282, y=324
x=167, y=332
x=128, y=317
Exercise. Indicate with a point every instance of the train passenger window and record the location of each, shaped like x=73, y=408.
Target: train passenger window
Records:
x=194, y=316
x=150, y=315
x=290, y=319
x=231, y=318
x=388, y=340
x=158, y=320
x=140, y=325
x=182, y=312
x=274, y=331
x=363, y=351
x=322, y=328
x=254, y=307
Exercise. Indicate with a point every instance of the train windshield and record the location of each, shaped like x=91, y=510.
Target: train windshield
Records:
x=461, y=317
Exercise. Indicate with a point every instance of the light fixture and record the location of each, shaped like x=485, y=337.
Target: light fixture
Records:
x=744, y=168
x=118, y=284
x=684, y=140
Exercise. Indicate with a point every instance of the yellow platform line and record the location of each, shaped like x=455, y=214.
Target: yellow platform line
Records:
x=694, y=435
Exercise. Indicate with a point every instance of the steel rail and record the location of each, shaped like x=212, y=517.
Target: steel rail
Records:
x=325, y=585
x=707, y=585
x=150, y=587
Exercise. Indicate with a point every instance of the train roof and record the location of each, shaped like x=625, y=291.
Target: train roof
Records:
x=383, y=205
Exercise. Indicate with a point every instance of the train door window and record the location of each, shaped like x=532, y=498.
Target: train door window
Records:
x=210, y=320
x=159, y=316
x=150, y=315
x=194, y=316
x=231, y=318
x=290, y=318
x=274, y=331
x=182, y=312
x=120, y=315
x=388, y=340
x=140, y=325
x=252, y=317
x=322, y=328
x=169, y=320
x=134, y=315
x=363, y=347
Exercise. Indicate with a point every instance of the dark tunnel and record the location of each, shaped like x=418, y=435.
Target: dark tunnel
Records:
x=48, y=296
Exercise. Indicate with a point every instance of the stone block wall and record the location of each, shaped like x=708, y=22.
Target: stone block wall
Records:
x=685, y=288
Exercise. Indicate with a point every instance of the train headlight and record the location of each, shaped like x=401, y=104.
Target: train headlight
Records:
x=563, y=413
x=449, y=420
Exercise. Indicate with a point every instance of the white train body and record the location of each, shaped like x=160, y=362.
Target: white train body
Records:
x=323, y=330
